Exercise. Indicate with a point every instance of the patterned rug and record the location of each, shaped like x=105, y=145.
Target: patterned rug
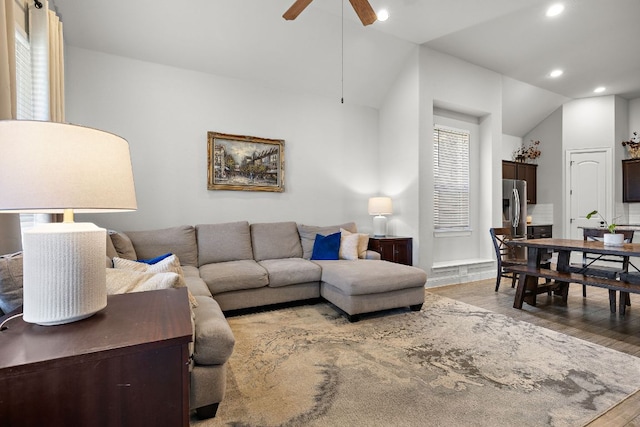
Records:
x=451, y=364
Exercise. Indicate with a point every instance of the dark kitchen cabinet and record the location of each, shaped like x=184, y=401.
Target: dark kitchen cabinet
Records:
x=524, y=171
x=539, y=231
x=631, y=180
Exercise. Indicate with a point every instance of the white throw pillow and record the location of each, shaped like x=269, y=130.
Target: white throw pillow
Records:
x=121, y=281
x=348, y=246
x=171, y=264
x=363, y=242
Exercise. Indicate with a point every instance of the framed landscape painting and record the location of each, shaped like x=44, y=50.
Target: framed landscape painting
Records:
x=244, y=163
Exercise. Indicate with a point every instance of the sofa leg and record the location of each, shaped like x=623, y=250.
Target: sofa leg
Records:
x=353, y=318
x=208, y=411
x=416, y=307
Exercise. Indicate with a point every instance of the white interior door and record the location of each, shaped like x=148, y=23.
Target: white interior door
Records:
x=589, y=181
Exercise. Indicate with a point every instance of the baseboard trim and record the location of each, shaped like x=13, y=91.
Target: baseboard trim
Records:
x=460, y=271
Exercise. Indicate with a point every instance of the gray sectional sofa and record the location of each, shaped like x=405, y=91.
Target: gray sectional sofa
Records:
x=238, y=265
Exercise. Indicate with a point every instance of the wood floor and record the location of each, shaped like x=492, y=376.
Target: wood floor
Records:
x=587, y=318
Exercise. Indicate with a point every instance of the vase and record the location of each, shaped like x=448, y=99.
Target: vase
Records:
x=634, y=152
x=611, y=239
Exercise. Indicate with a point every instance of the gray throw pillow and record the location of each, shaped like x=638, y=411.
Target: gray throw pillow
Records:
x=10, y=282
x=122, y=244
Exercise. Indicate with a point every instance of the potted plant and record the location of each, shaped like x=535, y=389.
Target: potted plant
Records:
x=611, y=238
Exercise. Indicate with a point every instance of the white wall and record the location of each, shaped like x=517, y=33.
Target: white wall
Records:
x=550, y=172
x=458, y=86
x=634, y=116
x=509, y=145
x=165, y=113
x=589, y=123
x=398, y=170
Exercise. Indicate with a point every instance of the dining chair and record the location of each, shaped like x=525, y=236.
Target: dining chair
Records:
x=505, y=254
x=592, y=264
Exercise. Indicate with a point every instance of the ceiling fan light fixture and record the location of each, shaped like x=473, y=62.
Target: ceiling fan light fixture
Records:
x=555, y=10
x=383, y=15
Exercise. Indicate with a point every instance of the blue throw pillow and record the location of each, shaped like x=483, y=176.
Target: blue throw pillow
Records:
x=156, y=259
x=326, y=247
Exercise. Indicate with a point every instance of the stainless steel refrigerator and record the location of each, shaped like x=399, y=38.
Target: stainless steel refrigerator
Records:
x=514, y=206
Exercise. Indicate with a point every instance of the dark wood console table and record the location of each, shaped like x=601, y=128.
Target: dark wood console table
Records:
x=393, y=248
x=127, y=365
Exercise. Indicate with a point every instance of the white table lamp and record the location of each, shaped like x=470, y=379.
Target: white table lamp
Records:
x=48, y=167
x=380, y=206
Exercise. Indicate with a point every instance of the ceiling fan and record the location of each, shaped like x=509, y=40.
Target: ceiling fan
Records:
x=362, y=7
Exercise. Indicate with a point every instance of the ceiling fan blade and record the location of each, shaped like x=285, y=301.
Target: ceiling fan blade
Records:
x=296, y=8
x=365, y=11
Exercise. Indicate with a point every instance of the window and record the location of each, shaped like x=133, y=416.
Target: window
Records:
x=24, y=81
x=451, y=179
x=24, y=96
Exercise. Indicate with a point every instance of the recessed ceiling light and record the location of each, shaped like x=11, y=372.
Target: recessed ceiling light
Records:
x=383, y=15
x=600, y=89
x=555, y=10
x=556, y=73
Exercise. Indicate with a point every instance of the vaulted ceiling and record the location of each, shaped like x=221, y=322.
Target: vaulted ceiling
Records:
x=327, y=51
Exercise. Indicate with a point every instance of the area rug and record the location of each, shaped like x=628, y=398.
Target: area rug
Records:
x=451, y=364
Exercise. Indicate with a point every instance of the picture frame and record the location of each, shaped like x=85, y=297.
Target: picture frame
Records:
x=244, y=163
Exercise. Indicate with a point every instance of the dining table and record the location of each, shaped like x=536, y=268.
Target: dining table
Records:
x=558, y=279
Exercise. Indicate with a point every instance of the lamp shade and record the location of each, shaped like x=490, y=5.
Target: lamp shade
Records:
x=380, y=206
x=47, y=167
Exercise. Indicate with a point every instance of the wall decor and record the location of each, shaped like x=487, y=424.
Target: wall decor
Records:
x=244, y=163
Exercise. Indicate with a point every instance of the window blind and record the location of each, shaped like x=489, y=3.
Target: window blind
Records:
x=451, y=178
x=24, y=80
x=24, y=96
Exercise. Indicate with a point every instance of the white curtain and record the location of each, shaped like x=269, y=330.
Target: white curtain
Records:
x=7, y=61
x=47, y=55
x=10, y=239
x=47, y=47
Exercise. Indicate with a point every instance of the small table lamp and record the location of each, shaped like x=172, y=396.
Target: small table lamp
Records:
x=48, y=167
x=380, y=206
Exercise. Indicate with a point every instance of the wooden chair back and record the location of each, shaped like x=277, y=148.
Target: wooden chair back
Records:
x=506, y=255
x=597, y=234
x=500, y=236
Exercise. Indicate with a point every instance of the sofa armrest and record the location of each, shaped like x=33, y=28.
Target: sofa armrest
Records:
x=214, y=340
x=373, y=255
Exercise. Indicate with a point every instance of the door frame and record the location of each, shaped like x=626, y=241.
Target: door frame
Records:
x=609, y=184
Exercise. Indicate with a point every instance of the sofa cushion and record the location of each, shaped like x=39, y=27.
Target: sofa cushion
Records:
x=180, y=241
x=326, y=247
x=291, y=271
x=275, y=240
x=233, y=276
x=363, y=277
x=122, y=244
x=229, y=241
x=10, y=282
x=308, y=235
x=214, y=340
